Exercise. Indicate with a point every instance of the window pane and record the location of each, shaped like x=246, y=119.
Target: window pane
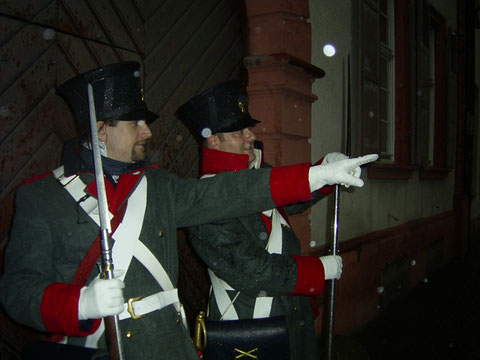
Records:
x=386, y=126
x=383, y=29
x=370, y=41
x=378, y=78
x=383, y=74
x=384, y=106
x=370, y=117
x=384, y=140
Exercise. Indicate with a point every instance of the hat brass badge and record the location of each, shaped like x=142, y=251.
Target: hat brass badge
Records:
x=241, y=106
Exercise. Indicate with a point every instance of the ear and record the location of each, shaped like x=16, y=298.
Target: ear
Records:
x=213, y=142
x=102, y=132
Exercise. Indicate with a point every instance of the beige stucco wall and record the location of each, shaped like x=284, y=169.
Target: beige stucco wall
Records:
x=379, y=204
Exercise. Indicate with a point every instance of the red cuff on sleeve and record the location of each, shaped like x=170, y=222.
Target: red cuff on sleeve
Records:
x=310, y=276
x=59, y=310
x=289, y=184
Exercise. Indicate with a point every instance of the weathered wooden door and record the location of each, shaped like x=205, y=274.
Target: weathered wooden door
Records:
x=184, y=46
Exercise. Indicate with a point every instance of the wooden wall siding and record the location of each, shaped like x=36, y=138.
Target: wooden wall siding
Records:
x=184, y=47
x=27, y=104
x=207, y=54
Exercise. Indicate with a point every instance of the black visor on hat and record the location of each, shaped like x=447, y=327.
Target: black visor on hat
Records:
x=222, y=108
x=117, y=91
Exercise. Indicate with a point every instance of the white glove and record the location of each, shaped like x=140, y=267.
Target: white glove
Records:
x=344, y=172
x=333, y=266
x=101, y=298
x=336, y=156
x=332, y=157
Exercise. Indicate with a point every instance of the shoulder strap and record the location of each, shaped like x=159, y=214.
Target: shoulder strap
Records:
x=86, y=266
x=75, y=187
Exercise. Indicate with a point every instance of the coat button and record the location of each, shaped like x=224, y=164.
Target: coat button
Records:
x=160, y=233
x=128, y=335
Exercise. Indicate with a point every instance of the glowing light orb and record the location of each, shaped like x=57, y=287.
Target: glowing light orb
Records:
x=329, y=50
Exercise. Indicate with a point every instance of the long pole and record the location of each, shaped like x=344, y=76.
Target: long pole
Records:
x=334, y=251
x=335, y=221
x=112, y=329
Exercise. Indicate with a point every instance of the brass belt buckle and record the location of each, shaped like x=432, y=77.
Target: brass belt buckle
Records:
x=130, y=307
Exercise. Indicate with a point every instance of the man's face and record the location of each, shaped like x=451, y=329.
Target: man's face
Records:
x=237, y=142
x=126, y=140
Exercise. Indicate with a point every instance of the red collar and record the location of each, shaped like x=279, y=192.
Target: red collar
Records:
x=214, y=161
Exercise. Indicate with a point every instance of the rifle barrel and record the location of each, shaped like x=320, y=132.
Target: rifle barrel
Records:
x=112, y=328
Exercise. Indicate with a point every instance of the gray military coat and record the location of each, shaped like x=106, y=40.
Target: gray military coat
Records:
x=235, y=250
x=51, y=235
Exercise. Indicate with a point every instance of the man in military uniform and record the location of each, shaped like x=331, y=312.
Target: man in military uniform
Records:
x=254, y=261
x=50, y=282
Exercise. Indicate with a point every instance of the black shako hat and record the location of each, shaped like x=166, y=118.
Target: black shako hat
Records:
x=221, y=108
x=117, y=92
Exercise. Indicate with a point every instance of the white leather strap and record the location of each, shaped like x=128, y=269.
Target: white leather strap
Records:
x=220, y=287
x=76, y=188
x=263, y=305
x=258, y=159
x=128, y=232
x=125, y=248
x=151, y=303
x=225, y=304
x=147, y=259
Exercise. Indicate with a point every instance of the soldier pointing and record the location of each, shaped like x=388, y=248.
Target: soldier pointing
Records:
x=51, y=282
